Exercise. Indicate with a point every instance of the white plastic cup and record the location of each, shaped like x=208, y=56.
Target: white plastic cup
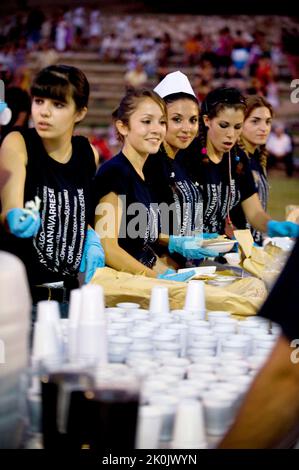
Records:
x=218, y=411
x=148, y=427
x=159, y=302
x=183, y=338
x=217, y=314
x=195, y=298
x=118, y=348
x=74, y=315
x=92, y=304
x=160, y=339
x=48, y=311
x=189, y=426
x=128, y=306
x=47, y=341
x=117, y=328
x=168, y=405
x=234, y=345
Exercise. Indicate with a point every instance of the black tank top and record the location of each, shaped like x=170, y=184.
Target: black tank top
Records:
x=66, y=208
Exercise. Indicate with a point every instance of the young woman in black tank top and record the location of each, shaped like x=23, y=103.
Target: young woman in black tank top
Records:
x=47, y=164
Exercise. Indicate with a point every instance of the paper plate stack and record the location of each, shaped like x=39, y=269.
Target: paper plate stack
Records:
x=15, y=308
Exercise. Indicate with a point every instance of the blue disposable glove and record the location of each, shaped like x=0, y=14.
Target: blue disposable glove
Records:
x=282, y=229
x=210, y=236
x=3, y=106
x=93, y=255
x=23, y=223
x=189, y=247
x=172, y=275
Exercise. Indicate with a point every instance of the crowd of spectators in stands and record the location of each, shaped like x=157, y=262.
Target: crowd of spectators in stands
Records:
x=247, y=52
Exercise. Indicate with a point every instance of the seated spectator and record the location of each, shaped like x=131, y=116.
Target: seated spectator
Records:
x=280, y=148
x=137, y=77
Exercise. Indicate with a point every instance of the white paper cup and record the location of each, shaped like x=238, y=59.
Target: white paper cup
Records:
x=48, y=311
x=118, y=348
x=75, y=307
x=235, y=346
x=92, y=341
x=148, y=427
x=118, y=328
x=92, y=304
x=47, y=340
x=218, y=411
x=159, y=303
x=212, y=314
x=168, y=405
x=189, y=426
x=195, y=298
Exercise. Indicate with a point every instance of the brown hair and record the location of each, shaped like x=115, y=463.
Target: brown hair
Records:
x=130, y=102
x=59, y=82
x=253, y=102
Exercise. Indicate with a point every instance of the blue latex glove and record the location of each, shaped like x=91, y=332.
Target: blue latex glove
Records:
x=210, y=236
x=172, y=275
x=93, y=255
x=23, y=223
x=189, y=248
x=3, y=105
x=282, y=229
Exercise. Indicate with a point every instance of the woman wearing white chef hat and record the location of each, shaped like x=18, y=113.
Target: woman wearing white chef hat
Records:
x=166, y=175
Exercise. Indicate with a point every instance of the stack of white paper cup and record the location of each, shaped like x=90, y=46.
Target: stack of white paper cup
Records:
x=47, y=337
x=118, y=348
x=92, y=334
x=195, y=298
x=74, y=315
x=15, y=308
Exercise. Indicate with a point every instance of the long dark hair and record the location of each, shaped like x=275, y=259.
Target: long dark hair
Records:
x=180, y=96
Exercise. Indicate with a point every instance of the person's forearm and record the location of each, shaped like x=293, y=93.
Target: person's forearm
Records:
x=259, y=221
x=163, y=239
x=255, y=214
x=271, y=408
x=121, y=260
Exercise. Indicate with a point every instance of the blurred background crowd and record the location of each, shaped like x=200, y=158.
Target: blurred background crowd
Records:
x=117, y=48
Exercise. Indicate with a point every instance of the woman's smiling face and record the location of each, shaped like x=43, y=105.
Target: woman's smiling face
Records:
x=183, y=116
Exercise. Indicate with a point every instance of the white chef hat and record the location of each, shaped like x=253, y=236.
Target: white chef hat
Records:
x=174, y=82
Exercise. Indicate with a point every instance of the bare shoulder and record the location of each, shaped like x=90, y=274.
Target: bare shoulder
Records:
x=14, y=146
